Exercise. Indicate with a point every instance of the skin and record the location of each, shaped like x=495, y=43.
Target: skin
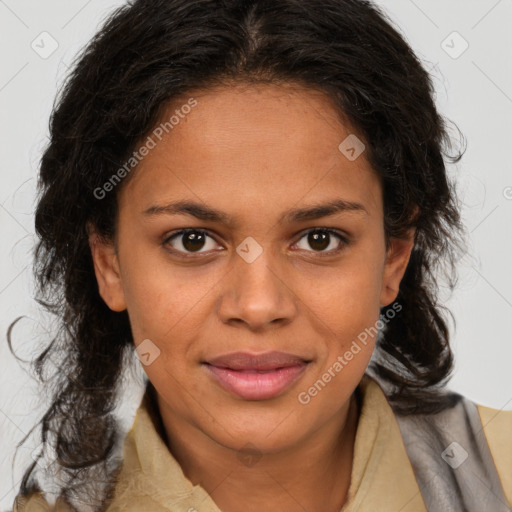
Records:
x=254, y=152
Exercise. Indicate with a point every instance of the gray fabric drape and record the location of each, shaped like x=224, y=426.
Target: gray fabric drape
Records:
x=452, y=461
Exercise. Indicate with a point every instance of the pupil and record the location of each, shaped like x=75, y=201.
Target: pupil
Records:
x=318, y=240
x=193, y=241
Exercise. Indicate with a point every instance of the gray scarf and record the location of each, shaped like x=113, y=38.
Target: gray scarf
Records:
x=451, y=459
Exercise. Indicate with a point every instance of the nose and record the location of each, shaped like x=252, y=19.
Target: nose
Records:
x=258, y=295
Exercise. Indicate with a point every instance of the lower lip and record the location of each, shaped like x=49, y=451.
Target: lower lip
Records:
x=254, y=385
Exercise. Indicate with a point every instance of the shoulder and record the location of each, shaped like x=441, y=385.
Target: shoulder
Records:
x=497, y=425
x=31, y=503
x=35, y=502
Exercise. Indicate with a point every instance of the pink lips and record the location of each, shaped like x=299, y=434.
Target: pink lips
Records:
x=256, y=376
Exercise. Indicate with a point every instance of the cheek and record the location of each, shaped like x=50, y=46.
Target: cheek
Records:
x=348, y=296
x=158, y=294
x=345, y=309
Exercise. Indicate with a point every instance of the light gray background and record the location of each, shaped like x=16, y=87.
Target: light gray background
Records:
x=474, y=90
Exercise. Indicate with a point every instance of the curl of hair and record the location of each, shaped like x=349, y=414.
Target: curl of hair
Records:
x=151, y=52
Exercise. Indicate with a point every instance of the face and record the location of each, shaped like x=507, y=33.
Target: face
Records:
x=253, y=312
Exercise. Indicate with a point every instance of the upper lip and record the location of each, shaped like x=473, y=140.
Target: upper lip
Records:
x=263, y=361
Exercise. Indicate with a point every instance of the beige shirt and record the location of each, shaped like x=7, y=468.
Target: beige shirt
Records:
x=151, y=480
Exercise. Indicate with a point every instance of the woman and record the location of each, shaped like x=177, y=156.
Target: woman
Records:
x=253, y=194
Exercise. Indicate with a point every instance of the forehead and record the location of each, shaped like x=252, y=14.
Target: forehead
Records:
x=268, y=143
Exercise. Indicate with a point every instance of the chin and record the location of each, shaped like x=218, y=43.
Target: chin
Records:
x=270, y=434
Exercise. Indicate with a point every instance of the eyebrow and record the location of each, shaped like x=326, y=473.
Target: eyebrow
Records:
x=207, y=213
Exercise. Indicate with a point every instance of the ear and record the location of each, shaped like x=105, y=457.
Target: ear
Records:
x=397, y=259
x=106, y=268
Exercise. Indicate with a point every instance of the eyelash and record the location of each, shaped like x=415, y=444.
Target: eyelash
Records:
x=342, y=238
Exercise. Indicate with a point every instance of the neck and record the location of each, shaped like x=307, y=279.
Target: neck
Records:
x=314, y=475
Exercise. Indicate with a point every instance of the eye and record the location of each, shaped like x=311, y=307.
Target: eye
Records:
x=321, y=239
x=189, y=241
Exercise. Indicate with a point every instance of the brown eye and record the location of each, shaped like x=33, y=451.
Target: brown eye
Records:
x=191, y=241
x=321, y=239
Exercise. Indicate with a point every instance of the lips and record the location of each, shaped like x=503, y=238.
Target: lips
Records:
x=256, y=376
x=266, y=361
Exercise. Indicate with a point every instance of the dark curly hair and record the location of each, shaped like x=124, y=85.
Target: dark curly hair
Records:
x=150, y=52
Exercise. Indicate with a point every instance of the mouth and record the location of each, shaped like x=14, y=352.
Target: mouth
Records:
x=256, y=376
